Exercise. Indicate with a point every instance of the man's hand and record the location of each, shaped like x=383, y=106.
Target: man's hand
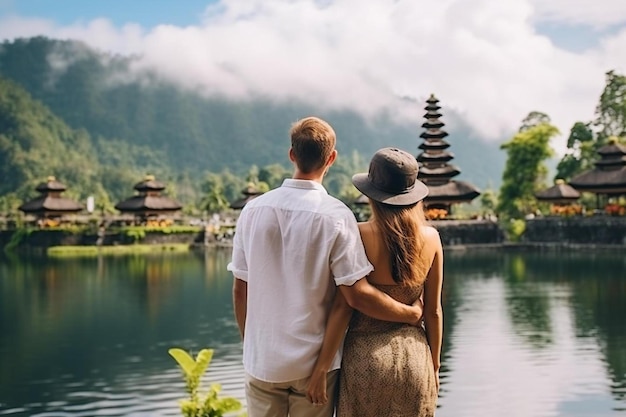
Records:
x=316, y=390
x=418, y=306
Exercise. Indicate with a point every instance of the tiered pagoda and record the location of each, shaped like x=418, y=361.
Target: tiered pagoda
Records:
x=609, y=175
x=148, y=202
x=50, y=204
x=435, y=170
x=249, y=193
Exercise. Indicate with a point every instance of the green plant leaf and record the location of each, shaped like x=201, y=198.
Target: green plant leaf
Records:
x=203, y=359
x=185, y=361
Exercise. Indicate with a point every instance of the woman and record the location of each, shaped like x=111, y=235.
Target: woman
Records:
x=389, y=369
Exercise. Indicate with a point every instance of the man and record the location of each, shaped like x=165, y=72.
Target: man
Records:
x=293, y=247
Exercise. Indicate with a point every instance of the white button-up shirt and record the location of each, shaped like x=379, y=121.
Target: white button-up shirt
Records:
x=293, y=245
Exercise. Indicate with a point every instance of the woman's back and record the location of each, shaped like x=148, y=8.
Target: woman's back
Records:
x=387, y=367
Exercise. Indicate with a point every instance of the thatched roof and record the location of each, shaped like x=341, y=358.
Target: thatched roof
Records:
x=435, y=157
x=141, y=203
x=51, y=185
x=149, y=184
x=559, y=192
x=446, y=171
x=51, y=204
x=452, y=192
x=434, y=134
x=249, y=193
x=601, y=181
x=432, y=124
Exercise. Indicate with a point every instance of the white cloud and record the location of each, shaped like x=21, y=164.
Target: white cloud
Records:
x=482, y=58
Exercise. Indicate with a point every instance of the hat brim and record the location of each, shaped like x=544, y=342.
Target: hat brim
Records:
x=414, y=195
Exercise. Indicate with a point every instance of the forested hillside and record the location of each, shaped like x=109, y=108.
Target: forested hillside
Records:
x=113, y=125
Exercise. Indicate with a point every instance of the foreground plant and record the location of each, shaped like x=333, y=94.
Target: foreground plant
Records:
x=211, y=405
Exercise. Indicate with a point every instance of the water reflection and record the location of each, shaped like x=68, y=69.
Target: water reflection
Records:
x=526, y=334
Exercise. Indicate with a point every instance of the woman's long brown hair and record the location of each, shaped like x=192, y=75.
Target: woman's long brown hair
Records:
x=401, y=227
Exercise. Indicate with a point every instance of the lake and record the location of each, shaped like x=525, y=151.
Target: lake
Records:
x=527, y=334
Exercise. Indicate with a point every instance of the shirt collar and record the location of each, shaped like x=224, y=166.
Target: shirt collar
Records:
x=304, y=184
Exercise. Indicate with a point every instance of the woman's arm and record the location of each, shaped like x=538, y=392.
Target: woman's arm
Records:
x=433, y=311
x=338, y=321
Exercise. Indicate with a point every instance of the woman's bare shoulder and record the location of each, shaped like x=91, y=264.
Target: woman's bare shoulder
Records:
x=431, y=234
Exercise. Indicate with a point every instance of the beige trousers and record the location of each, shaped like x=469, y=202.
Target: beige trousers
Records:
x=282, y=399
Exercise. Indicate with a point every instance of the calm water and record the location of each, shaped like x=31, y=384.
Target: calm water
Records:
x=525, y=334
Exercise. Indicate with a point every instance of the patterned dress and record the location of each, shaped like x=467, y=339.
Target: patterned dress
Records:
x=387, y=368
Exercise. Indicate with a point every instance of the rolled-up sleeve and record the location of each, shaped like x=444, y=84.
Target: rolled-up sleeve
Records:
x=348, y=261
x=238, y=264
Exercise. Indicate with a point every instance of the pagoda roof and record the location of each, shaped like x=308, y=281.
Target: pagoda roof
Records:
x=441, y=156
x=433, y=124
x=446, y=171
x=612, y=149
x=149, y=184
x=438, y=144
x=432, y=99
x=434, y=134
x=140, y=203
x=51, y=204
x=432, y=114
x=614, y=160
x=601, y=181
x=51, y=185
x=559, y=192
x=452, y=192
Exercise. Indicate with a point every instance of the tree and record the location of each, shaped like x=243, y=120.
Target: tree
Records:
x=582, y=152
x=586, y=138
x=611, y=110
x=214, y=199
x=525, y=171
x=533, y=119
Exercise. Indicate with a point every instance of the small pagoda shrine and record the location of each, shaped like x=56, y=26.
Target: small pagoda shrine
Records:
x=436, y=171
x=562, y=198
x=249, y=193
x=50, y=206
x=148, y=204
x=609, y=175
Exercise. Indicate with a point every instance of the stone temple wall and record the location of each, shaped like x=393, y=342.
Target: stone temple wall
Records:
x=592, y=230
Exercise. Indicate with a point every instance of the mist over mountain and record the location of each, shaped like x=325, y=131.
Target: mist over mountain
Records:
x=192, y=132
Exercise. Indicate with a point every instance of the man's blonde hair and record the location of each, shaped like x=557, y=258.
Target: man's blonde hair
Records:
x=312, y=142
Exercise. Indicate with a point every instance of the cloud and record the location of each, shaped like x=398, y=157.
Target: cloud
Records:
x=483, y=59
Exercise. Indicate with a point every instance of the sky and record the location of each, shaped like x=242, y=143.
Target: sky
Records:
x=491, y=62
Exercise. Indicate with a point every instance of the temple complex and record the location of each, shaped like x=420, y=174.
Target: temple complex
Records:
x=436, y=171
x=148, y=202
x=50, y=204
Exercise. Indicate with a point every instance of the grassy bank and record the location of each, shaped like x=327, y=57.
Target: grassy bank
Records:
x=69, y=251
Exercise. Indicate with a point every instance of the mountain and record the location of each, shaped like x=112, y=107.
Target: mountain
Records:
x=140, y=119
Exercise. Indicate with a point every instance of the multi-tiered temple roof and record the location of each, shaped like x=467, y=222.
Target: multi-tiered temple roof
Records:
x=50, y=203
x=436, y=171
x=609, y=175
x=149, y=201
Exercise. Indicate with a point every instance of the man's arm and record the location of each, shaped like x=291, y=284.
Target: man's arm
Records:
x=240, y=303
x=372, y=302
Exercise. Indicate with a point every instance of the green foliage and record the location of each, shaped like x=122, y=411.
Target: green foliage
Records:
x=611, y=110
x=488, y=201
x=514, y=229
x=525, y=172
x=586, y=138
x=209, y=405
